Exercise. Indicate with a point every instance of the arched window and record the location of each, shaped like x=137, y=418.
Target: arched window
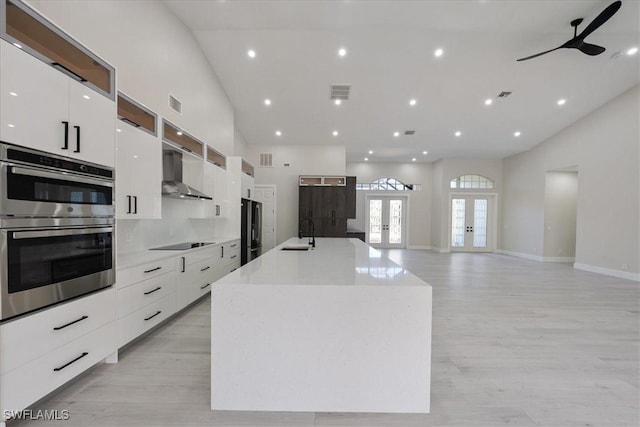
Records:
x=472, y=181
x=389, y=184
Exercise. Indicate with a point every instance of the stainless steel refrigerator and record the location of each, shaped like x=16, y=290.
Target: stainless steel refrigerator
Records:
x=251, y=232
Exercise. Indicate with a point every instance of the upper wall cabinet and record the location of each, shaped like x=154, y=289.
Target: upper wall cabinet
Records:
x=138, y=162
x=44, y=108
x=25, y=29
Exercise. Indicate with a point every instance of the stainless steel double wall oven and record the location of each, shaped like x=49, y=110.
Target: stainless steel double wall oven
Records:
x=56, y=229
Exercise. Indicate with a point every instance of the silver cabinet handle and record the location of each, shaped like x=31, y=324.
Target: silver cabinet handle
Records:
x=54, y=233
x=19, y=170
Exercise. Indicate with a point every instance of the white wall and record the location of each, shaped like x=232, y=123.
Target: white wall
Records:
x=444, y=171
x=302, y=160
x=418, y=230
x=560, y=216
x=155, y=55
x=239, y=143
x=605, y=147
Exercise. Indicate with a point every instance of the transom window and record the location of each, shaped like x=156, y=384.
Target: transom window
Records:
x=389, y=184
x=472, y=181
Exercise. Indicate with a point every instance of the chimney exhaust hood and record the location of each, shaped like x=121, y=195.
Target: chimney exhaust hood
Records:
x=172, y=185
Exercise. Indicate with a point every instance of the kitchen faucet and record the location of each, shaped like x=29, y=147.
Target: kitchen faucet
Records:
x=313, y=231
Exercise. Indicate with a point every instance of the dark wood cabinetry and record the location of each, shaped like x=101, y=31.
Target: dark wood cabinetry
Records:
x=328, y=206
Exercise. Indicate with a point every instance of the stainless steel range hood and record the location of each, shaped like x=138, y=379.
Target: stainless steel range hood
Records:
x=172, y=185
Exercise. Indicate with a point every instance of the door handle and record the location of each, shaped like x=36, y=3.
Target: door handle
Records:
x=135, y=204
x=77, y=128
x=66, y=136
x=129, y=204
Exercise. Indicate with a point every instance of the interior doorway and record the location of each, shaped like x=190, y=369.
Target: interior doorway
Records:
x=472, y=223
x=560, y=215
x=386, y=221
x=266, y=194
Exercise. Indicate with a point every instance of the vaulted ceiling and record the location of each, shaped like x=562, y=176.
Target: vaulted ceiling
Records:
x=390, y=59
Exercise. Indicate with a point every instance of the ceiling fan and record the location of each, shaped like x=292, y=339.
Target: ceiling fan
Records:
x=577, y=42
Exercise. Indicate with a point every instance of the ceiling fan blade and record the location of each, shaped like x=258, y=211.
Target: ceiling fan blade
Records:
x=604, y=16
x=538, y=54
x=591, y=49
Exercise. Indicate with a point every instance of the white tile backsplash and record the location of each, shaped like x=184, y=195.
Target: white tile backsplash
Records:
x=134, y=235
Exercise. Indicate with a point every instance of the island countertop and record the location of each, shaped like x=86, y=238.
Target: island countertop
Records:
x=333, y=262
x=340, y=328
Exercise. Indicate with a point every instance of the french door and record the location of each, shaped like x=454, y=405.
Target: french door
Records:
x=471, y=223
x=386, y=221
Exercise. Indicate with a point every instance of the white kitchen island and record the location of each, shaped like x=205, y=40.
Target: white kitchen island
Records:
x=339, y=328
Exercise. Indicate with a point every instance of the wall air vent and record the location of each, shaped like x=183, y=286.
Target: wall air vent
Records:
x=504, y=94
x=409, y=132
x=340, y=92
x=175, y=105
x=266, y=160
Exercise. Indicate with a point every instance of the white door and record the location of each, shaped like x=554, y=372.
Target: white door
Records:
x=266, y=194
x=471, y=223
x=386, y=221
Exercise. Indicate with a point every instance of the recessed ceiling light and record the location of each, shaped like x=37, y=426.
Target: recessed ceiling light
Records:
x=278, y=133
x=396, y=134
x=251, y=53
x=370, y=152
x=11, y=125
x=413, y=160
x=342, y=51
x=335, y=133
x=338, y=101
x=458, y=133
x=13, y=94
x=179, y=133
x=562, y=101
x=632, y=51
x=516, y=133
x=425, y=152
x=267, y=101
x=438, y=52
x=413, y=102
x=488, y=101
x=366, y=159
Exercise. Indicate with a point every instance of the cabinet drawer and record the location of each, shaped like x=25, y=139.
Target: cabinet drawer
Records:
x=231, y=252
x=27, y=338
x=129, y=276
x=25, y=385
x=136, y=296
x=201, y=255
x=140, y=321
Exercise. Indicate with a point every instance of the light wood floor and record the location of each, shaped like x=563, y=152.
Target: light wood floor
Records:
x=515, y=342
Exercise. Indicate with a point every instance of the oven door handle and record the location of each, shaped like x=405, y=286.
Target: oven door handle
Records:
x=53, y=175
x=54, y=233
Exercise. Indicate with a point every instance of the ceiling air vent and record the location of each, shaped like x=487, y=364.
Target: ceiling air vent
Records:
x=340, y=92
x=504, y=94
x=409, y=132
x=266, y=160
x=175, y=105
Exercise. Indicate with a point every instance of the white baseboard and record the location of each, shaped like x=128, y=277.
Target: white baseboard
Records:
x=419, y=247
x=521, y=255
x=559, y=259
x=608, y=271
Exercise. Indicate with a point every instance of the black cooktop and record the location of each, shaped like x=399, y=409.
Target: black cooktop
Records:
x=182, y=246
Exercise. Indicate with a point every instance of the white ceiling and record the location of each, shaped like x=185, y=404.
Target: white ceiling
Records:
x=390, y=60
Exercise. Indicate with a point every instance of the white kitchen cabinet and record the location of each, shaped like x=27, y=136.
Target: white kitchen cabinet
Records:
x=196, y=272
x=215, y=185
x=248, y=186
x=230, y=253
x=42, y=108
x=139, y=170
x=42, y=351
x=146, y=297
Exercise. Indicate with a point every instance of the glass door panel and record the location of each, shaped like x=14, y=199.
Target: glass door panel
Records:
x=480, y=211
x=395, y=221
x=457, y=222
x=375, y=221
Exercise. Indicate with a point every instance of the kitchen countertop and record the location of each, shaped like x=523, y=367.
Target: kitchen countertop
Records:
x=132, y=259
x=334, y=261
x=340, y=328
